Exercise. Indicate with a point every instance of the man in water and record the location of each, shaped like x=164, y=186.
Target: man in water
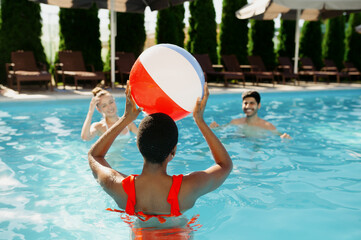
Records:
x=154, y=193
x=251, y=104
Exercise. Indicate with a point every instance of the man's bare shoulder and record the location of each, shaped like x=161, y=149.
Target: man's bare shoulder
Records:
x=267, y=125
x=238, y=121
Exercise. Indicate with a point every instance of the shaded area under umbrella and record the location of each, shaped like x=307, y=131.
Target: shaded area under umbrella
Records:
x=134, y=6
x=298, y=9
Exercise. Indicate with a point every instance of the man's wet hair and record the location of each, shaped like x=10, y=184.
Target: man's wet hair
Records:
x=253, y=94
x=157, y=136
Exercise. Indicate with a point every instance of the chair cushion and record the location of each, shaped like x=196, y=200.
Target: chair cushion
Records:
x=32, y=76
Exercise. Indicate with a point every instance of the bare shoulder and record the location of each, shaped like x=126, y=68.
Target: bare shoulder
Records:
x=99, y=127
x=191, y=188
x=112, y=184
x=198, y=183
x=267, y=125
x=238, y=121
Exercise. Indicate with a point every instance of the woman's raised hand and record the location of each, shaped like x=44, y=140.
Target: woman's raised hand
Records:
x=93, y=103
x=201, y=105
x=131, y=110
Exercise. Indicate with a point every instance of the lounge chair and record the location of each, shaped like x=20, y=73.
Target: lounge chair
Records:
x=351, y=70
x=258, y=69
x=24, y=69
x=231, y=64
x=71, y=65
x=209, y=71
x=308, y=69
x=286, y=69
x=124, y=63
x=330, y=66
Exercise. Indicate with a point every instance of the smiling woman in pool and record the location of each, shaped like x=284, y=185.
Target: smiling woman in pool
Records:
x=104, y=102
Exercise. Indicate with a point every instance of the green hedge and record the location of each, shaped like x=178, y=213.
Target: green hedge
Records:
x=233, y=32
x=202, y=29
x=79, y=31
x=333, y=44
x=170, y=26
x=353, y=41
x=20, y=30
x=286, y=39
x=310, y=42
x=130, y=35
x=260, y=41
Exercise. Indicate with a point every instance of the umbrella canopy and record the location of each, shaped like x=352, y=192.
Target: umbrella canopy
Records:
x=310, y=10
x=134, y=6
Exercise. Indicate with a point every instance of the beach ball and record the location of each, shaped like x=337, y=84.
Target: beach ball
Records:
x=166, y=78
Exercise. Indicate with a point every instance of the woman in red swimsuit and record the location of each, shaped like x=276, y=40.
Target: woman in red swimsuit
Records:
x=154, y=192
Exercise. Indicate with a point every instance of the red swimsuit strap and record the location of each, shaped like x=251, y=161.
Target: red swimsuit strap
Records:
x=129, y=188
x=173, y=195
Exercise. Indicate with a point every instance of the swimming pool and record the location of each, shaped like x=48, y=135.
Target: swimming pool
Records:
x=305, y=188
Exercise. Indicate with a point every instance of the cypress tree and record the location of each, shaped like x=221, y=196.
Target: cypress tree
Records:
x=260, y=41
x=353, y=41
x=202, y=29
x=130, y=35
x=333, y=45
x=310, y=42
x=233, y=33
x=286, y=39
x=20, y=30
x=170, y=26
x=79, y=31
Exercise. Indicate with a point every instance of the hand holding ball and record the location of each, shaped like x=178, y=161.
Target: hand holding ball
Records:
x=167, y=79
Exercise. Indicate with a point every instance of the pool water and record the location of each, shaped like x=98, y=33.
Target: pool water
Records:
x=305, y=188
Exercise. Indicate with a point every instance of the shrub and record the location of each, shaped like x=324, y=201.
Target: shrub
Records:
x=353, y=41
x=130, y=35
x=202, y=29
x=333, y=44
x=79, y=31
x=170, y=26
x=286, y=39
x=233, y=32
x=310, y=42
x=20, y=30
x=260, y=41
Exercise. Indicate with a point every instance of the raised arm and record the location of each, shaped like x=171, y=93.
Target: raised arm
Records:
x=100, y=167
x=88, y=132
x=211, y=178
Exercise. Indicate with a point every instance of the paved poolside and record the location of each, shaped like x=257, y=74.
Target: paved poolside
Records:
x=33, y=93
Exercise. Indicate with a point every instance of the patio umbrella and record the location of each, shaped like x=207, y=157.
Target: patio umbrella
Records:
x=310, y=10
x=134, y=6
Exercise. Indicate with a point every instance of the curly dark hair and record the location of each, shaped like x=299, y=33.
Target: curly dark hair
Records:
x=157, y=136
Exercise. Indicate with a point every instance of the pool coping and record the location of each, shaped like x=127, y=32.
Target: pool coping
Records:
x=9, y=95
